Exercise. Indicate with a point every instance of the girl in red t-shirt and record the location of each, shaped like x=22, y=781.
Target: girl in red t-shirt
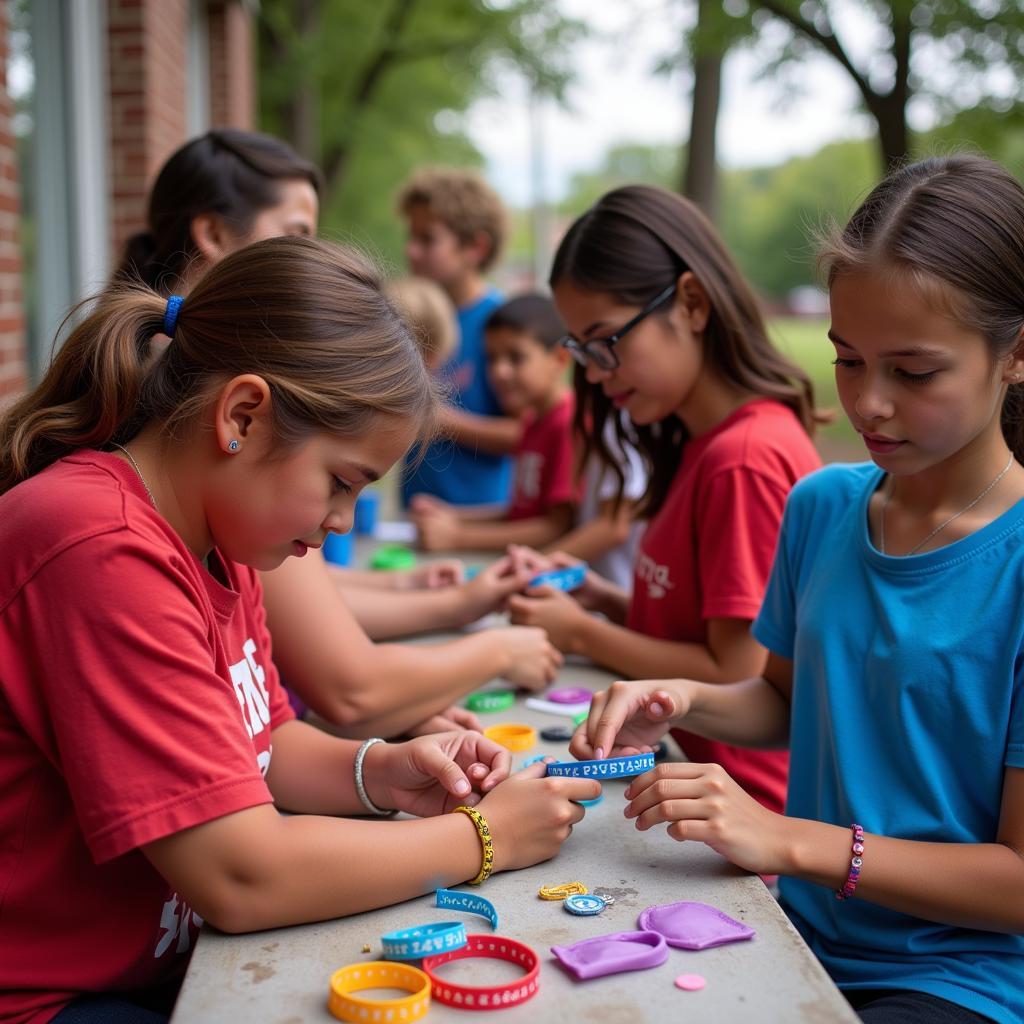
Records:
x=667, y=332
x=146, y=746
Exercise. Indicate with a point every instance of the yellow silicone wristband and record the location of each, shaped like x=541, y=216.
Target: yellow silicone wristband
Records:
x=512, y=737
x=346, y=981
x=483, y=831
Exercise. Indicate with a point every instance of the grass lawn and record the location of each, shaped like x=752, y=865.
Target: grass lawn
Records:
x=806, y=343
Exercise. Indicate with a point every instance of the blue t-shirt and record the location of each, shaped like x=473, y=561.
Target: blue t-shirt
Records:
x=449, y=471
x=908, y=705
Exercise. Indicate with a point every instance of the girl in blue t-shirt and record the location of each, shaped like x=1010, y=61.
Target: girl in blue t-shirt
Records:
x=896, y=628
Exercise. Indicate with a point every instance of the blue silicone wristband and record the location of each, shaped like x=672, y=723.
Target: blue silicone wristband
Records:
x=608, y=768
x=562, y=579
x=425, y=940
x=453, y=899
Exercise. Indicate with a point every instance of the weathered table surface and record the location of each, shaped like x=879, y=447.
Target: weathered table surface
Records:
x=282, y=976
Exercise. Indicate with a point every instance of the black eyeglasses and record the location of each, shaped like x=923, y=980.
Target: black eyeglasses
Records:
x=601, y=351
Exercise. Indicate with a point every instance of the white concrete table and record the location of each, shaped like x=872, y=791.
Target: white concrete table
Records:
x=282, y=976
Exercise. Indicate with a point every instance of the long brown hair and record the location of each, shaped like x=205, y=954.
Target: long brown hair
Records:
x=232, y=173
x=307, y=316
x=634, y=242
x=956, y=221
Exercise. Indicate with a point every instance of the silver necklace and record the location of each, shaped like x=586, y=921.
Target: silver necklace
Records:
x=135, y=466
x=938, y=529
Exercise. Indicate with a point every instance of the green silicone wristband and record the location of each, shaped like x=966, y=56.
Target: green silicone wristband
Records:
x=393, y=556
x=490, y=700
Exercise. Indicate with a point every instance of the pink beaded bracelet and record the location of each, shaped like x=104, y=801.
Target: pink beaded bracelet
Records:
x=855, y=864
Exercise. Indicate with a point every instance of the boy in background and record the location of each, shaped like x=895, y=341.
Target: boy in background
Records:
x=526, y=365
x=456, y=227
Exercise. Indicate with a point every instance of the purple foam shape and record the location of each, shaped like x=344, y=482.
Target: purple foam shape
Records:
x=570, y=695
x=612, y=954
x=691, y=925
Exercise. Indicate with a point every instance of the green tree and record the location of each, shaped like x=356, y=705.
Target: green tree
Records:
x=959, y=54
x=771, y=214
x=370, y=90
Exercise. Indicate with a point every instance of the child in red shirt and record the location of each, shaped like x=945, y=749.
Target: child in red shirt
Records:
x=146, y=746
x=670, y=334
x=526, y=367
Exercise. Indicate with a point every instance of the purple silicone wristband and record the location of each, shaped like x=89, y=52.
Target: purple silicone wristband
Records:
x=856, y=862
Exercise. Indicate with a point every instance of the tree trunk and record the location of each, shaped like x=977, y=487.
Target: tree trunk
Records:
x=700, y=178
x=303, y=111
x=893, y=137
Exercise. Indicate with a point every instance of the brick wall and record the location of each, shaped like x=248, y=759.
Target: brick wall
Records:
x=232, y=65
x=148, y=61
x=13, y=370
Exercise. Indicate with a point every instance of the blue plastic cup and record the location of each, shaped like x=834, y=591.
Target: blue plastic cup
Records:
x=338, y=548
x=367, y=507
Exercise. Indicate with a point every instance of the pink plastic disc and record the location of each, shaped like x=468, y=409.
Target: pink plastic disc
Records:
x=570, y=695
x=691, y=982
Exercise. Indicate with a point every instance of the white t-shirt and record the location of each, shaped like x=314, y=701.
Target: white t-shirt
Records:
x=600, y=484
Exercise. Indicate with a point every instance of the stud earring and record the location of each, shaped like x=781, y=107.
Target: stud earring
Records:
x=233, y=446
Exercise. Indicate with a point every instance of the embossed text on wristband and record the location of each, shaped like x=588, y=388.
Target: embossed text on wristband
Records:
x=608, y=768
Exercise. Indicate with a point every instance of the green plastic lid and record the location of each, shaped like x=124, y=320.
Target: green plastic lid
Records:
x=393, y=556
x=581, y=717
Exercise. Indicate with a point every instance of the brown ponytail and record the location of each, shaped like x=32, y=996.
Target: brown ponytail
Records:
x=307, y=316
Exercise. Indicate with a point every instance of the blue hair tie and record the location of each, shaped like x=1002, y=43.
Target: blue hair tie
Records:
x=171, y=314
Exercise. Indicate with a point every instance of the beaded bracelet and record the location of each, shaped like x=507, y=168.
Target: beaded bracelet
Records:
x=357, y=770
x=483, y=830
x=855, y=864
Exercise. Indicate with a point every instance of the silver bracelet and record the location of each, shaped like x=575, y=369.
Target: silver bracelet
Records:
x=357, y=768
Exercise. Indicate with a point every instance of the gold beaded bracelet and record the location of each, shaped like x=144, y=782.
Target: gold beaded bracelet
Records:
x=487, y=847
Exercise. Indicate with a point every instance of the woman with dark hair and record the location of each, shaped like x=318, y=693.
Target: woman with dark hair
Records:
x=218, y=193
x=221, y=191
x=668, y=333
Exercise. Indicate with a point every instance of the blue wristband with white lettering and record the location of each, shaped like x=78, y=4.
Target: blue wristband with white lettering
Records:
x=567, y=579
x=452, y=899
x=426, y=940
x=607, y=768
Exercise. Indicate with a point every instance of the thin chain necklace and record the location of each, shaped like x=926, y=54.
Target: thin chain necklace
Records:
x=135, y=466
x=938, y=529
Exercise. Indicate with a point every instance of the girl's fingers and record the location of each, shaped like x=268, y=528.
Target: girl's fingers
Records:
x=654, y=801
x=691, y=829
x=673, y=773
x=671, y=811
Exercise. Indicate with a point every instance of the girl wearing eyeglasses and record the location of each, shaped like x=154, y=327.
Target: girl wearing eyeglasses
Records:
x=666, y=331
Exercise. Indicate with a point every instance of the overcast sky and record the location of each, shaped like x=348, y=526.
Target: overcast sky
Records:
x=618, y=97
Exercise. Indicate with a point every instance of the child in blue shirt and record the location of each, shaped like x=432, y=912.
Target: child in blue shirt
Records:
x=456, y=228
x=895, y=624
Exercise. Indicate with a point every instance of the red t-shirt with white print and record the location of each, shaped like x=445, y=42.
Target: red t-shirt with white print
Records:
x=543, y=474
x=137, y=699
x=708, y=552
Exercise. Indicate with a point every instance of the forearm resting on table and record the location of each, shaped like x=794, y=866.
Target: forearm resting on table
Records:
x=535, y=532
x=258, y=869
x=390, y=613
x=495, y=435
x=962, y=884
x=398, y=685
x=592, y=539
x=635, y=655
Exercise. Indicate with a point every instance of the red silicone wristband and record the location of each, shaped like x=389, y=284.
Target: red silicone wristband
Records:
x=495, y=997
